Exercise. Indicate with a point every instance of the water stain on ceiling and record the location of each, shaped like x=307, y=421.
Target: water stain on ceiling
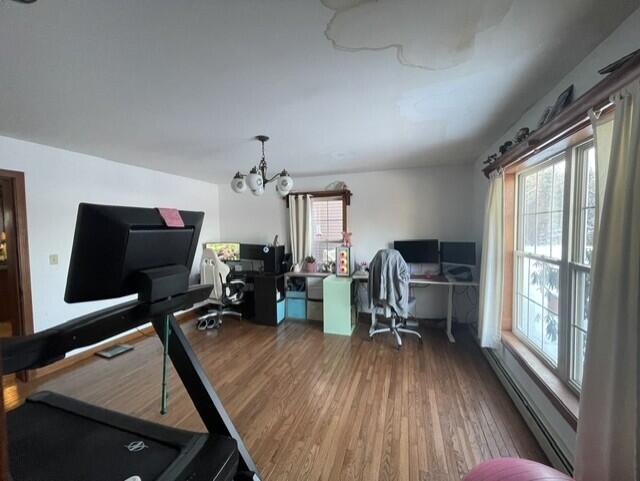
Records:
x=426, y=34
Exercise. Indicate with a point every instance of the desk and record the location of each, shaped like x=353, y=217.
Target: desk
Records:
x=447, y=281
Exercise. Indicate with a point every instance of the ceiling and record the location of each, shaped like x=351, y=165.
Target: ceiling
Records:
x=339, y=85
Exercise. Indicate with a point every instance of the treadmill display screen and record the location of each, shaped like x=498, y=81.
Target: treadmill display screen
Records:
x=113, y=244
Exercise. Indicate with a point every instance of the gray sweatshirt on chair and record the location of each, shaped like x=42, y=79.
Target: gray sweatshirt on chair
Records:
x=389, y=281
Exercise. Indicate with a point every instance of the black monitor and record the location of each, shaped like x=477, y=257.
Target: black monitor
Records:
x=113, y=245
x=458, y=253
x=418, y=251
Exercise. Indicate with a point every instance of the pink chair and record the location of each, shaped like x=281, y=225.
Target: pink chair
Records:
x=513, y=469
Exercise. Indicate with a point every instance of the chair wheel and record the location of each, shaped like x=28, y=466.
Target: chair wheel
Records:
x=201, y=325
x=213, y=323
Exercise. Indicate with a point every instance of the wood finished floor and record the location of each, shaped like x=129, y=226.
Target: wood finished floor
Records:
x=316, y=407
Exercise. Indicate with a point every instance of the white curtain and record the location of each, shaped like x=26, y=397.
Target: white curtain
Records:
x=491, y=269
x=300, y=218
x=607, y=445
x=602, y=133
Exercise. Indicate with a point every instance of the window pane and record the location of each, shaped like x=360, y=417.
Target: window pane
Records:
x=551, y=281
x=558, y=186
x=590, y=200
x=589, y=228
x=579, y=349
x=580, y=324
x=530, y=194
x=543, y=234
x=536, y=281
x=556, y=235
x=535, y=324
x=523, y=286
x=545, y=189
x=530, y=233
x=537, y=305
x=550, y=339
x=581, y=308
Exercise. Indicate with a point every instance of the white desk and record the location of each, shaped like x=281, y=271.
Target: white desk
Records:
x=446, y=281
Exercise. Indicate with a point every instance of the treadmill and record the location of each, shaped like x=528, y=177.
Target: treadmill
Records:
x=119, y=251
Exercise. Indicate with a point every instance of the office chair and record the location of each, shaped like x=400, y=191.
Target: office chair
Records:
x=225, y=294
x=396, y=325
x=388, y=294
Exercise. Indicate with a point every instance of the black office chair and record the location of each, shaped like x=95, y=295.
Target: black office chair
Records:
x=225, y=295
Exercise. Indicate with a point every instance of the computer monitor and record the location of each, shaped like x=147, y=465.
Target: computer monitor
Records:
x=418, y=251
x=226, y=251
x=458, y=253
x=113, y=244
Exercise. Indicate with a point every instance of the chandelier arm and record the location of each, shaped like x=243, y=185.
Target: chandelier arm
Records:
x=266, y=181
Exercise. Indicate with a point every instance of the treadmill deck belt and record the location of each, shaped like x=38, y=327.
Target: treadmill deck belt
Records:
x=54, y=438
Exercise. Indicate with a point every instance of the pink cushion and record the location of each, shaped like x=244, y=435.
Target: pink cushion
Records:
x=513, y=469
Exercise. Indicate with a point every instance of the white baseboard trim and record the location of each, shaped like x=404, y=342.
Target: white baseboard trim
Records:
x=554, y=450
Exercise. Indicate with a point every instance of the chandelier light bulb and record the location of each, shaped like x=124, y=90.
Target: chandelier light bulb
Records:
x=238, y=184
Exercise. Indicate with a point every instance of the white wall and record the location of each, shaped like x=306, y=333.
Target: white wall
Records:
x=430, y=202
x=625, y=39
x=56, y=181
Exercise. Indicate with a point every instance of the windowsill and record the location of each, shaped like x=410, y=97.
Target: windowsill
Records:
x=563, y=399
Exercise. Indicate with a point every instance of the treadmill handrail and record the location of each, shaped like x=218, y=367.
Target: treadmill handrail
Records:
x=51, y=345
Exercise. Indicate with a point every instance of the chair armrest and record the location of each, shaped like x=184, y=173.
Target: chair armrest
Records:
x=237, y=281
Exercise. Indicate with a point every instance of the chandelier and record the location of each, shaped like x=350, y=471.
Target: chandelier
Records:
x=257, y=178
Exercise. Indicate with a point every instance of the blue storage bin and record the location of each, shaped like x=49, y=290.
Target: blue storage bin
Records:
x=296, y=308
x=280, y=308
x=297, y=294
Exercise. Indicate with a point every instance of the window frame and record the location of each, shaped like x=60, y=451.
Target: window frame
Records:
x=578, y=246
x=572, y=246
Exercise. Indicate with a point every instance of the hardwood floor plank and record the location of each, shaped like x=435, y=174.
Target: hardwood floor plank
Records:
x=320, y=407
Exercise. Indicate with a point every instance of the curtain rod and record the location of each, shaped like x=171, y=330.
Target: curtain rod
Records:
x=575, y=117
x=345, y=194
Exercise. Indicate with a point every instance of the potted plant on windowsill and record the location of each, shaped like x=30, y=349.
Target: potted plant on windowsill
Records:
x=310, y=264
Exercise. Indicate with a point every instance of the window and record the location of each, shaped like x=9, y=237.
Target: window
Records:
x=554, y=245
x=329, y=222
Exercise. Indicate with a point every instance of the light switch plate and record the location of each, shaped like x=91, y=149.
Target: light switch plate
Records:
x=53, y=259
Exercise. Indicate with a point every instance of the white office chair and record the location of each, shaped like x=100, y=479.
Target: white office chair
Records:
x=225, y=294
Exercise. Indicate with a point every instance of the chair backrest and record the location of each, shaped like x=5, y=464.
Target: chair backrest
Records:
x=214, y=271
x=388, y=280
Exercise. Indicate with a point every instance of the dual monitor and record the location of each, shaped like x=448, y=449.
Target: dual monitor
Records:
x=431, y=251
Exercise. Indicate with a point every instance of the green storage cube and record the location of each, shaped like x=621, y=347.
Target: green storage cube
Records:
x=338, y=312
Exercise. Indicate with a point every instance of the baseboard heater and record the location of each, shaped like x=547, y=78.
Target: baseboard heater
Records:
x=558, y=458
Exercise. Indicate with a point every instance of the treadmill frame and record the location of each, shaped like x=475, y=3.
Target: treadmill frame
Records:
x=201, y=391
x=51, y=345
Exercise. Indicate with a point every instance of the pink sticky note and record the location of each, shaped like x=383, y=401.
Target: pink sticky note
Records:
x=171, y=217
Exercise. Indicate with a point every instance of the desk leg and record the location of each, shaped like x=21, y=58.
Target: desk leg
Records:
x=450, y=314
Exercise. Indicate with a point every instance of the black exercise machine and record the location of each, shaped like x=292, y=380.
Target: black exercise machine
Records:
x=119, y=251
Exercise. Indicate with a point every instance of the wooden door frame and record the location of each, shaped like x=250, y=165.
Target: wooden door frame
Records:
x=24, y=272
